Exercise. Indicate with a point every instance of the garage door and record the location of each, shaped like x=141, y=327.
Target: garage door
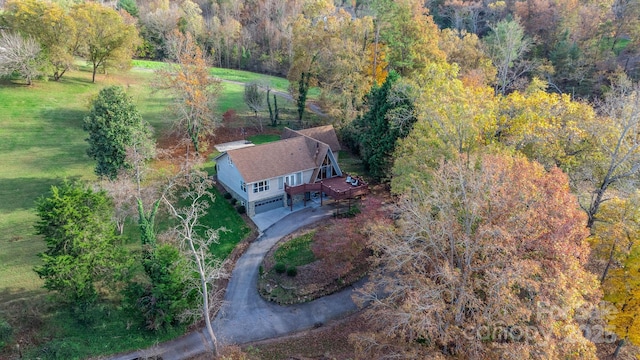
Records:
x=268, y=204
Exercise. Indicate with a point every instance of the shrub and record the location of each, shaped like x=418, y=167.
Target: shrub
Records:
x=241, y=209
x=280, y=268
x=227, y=195
x=61, y=349
x=292, y=271
x=5, y=332
x=233, y=201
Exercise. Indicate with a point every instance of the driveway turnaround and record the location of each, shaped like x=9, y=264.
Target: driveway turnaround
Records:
x=245, y=316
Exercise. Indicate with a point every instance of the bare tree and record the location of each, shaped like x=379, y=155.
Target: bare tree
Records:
x=254, y=98
x=506, y=46
x=20, y=55
x=618, y=161
x=196, y=239
x=122, y=192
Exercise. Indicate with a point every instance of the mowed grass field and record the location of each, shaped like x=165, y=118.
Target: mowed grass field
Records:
x=42, y=143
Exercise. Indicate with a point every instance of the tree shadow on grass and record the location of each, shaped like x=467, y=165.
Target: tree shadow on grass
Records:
x=21, y=193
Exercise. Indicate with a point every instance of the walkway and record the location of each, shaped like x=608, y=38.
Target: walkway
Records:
x=245, y=316
x=267, y=219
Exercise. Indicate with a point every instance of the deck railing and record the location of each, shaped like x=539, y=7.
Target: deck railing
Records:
x=361, y=189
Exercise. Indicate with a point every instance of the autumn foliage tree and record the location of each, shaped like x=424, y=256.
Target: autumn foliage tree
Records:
x=51, y=26
x=194, y=90
x=106, y=41
x=486, y=260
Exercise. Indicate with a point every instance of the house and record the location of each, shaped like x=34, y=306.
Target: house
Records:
x=272, y=175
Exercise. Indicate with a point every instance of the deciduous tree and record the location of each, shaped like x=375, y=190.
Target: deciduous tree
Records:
x=506, y=46
x=622, y=289
x=195, y=241
x=51, y=26
x=451, y=119
x=106, y=41
x=410, y=34
x=486, y=260
x=194, y=90
x=254, y=98
x=616, y=161
x=20, y=55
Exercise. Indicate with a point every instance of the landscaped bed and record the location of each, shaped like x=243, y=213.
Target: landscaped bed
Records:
x=319, y=260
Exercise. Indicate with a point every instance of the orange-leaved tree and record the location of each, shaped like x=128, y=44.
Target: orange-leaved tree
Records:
x=486, y=260
x=194, y=90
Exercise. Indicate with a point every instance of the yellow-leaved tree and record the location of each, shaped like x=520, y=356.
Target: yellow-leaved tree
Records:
x=622, y=289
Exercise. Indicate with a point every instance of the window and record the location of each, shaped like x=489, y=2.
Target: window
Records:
x=293, y=179
x=261, y=186
x=243, y=186
x=229, y=160
x=290, y=180
x=280, y=183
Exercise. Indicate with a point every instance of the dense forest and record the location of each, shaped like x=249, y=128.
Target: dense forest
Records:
x=506, y=130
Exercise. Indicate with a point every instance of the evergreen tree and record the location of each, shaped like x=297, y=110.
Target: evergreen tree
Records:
x=113, y=124
x=389, y=117
x=76, y=223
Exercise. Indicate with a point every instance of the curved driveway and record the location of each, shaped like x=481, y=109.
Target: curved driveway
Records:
x=245, y=316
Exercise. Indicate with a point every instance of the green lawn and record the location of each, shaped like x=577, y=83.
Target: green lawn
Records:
x=275, y=82
x=296, y=252
x=41, y=144
x=351, y=164
x=263, y=138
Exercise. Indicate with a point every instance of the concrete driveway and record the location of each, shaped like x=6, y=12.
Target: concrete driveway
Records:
x=245, y=316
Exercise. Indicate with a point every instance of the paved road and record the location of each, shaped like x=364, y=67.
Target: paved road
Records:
x=245, y=316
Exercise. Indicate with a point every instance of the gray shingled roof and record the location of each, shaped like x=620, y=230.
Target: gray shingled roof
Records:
x=325, y=134
x=278, y=158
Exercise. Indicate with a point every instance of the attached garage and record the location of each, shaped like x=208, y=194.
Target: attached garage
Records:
x=268, y=204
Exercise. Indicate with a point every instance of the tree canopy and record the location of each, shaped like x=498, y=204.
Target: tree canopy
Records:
x=472, y=270
x=76, y=225
x=114, y=124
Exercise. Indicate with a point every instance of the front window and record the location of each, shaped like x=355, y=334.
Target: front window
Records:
x=261, y=186
x=243, y=186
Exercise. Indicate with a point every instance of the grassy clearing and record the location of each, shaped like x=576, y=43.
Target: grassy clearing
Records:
x=232, y=97
x=222, y=215
x=296, y=252
x=41, y=144
x=263, y=138
x=352, y=164
x=275, y=82
x=106, y=335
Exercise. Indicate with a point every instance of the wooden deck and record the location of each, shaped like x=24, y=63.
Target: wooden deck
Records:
x=337, y=188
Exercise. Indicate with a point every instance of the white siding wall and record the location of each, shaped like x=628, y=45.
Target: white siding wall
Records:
x=273, y=187
x=273, y=191
x=229, y=176
x=306, y=176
